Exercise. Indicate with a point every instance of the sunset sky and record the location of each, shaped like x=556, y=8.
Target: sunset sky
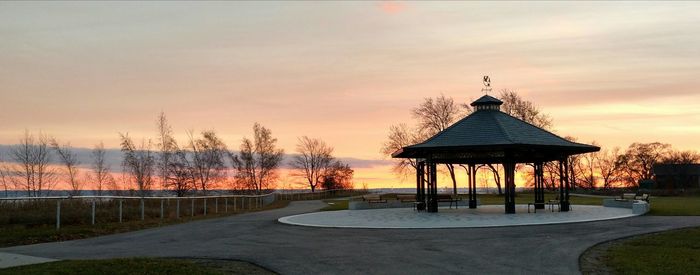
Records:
x=344, y=72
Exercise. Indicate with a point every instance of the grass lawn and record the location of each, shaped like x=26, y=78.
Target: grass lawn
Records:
x=11, y=235
x=334, y=205
x=140, y=266
x=675, y=206
x=670, y=252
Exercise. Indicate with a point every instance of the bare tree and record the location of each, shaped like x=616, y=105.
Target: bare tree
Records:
x=256, y=165
x=525, y=110
x=180, y=176
x=166, y=146
x=32, y=171
x=69, y=159
x=588, y=168
x=138, y=163
x=4, y=180
x=400, y=136
x=338, y=176
x=313, y=160
x=100, y=176
x=434, y=116
x=208, y=160
x=638, y=160
x=681, y=157
x=609, y=167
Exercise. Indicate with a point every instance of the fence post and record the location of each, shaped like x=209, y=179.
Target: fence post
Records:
x=225, y=205
x=192, y=212
x=161, y=209
x=177, y=208
x=120, y=210
x=234, y=204
x=205, y=206
x=216, y=205
x=93, y=212
x=58, y=214
x=142, y=209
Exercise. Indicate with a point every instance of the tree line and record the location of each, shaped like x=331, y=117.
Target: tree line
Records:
x=203, y=162
x=605, y=169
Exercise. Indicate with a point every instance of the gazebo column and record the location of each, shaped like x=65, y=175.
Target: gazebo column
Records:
x=509, y=168
x=472, y=186
x=563, y=185
x=432, y=187
x=420, y=185
x=539, y=185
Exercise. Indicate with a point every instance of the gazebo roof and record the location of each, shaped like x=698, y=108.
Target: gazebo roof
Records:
x=488, y=130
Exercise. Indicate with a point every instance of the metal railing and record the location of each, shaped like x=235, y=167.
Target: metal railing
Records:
x=319, y=194
x=34, y=210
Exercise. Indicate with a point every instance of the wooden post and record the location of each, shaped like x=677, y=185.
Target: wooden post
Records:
x=216, y=205
x=177, y=208
x=234, y=204
x=58, y=214
x=192, y=212
x=120, y=210
x=161, y=209
x=142, y=209
x=93, y=212
x=225, y=205
x=205, y=206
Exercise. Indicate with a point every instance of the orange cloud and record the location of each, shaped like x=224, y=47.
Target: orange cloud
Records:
x=392, y=7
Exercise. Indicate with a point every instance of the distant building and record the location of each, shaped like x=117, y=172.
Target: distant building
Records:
x=673, y=176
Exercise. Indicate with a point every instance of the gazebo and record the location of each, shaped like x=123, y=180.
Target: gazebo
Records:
x=489, y=136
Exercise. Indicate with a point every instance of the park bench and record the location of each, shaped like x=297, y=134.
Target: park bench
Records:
x=373, y=198
x=451, y=198
x=627, y=197
x=535, y=204
x=643, y=197
x=406, y=198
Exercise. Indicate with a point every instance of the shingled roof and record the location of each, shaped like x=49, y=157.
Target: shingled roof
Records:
x=487, y=128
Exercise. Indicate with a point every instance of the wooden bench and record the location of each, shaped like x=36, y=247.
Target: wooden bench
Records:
x=449, y=198
x=406, y=198
x=373, y=198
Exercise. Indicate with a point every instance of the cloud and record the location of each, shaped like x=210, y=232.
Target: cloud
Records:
x=113, y=158
x=392, y=7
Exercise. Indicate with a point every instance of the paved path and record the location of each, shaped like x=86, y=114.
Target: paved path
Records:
x=288, y=249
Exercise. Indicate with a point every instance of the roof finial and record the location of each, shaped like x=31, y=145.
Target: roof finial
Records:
x=487, y=84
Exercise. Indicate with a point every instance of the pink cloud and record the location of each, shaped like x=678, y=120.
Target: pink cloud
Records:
x=392, y=7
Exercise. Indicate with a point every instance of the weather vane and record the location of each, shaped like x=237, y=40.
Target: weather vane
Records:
x=487, y=84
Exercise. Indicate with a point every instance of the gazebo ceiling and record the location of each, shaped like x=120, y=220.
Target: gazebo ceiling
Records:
x=491, y=136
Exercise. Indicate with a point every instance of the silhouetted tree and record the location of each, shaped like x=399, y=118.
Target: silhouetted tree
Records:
x=166, y=147
x=69, y=159
x=31, y=170
x=138, y=163
x=400, y=136
x=339, y=176
x=609, y=167
x=257, y=163
x=435, y=115
x=638, y=160
x=312, y=161
x=180, y=175
x=208, y=160
x=100, y=176
x=681, y=157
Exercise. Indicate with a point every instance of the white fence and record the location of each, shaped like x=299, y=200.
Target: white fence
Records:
x=112, y=207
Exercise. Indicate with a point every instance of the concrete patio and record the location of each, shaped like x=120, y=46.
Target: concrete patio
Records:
x=483, y=216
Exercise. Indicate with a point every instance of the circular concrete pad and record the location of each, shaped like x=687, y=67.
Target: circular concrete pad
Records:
x=484, y=216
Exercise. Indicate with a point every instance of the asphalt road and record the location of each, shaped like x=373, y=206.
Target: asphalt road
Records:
x=288, y=249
